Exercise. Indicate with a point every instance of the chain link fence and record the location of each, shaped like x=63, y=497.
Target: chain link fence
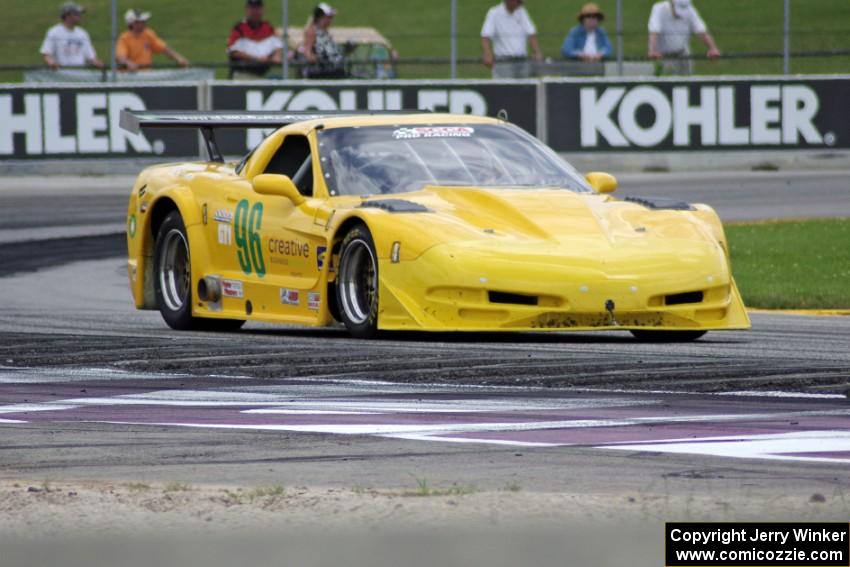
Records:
x=442, y=39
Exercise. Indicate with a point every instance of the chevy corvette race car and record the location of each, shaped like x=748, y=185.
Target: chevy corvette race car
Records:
x=415, y=221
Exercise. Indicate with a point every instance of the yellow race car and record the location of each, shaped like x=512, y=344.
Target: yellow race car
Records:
x=415, y=221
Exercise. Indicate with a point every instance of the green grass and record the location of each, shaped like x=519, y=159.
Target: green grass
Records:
x=420, y=28
x=792, y=265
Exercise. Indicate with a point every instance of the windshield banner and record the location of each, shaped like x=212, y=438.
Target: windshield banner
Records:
x=698, y=115
x=486, y=98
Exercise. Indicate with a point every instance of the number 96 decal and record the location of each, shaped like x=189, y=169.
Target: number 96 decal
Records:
x=249, y=246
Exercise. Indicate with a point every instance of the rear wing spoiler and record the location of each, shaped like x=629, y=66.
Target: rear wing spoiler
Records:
x=207, y=121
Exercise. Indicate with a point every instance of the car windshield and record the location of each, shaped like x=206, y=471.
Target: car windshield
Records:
x=376, y=160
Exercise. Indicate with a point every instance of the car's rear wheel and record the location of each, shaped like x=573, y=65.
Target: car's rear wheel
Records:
x=357, y=283
x=667, y=336
x=173, y=280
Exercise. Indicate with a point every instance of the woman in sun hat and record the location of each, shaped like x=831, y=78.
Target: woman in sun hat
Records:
x=587, y=41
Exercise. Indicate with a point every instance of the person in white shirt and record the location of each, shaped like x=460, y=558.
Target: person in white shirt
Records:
x=671, y=24
x=68, y=45
x=505, y=36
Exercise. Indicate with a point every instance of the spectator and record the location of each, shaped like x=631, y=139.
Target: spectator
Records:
x=136, y=46
x=67, y=44
x=505, y=36
x=671, y=24
x=323, y=54
x=587, y=41
x=253, y=46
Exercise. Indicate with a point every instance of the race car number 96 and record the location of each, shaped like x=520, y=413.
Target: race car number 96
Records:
x=249, y=246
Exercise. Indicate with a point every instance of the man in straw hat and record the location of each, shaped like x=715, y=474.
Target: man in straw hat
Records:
x=587, y=41
x=137, y=45
x=67, y=44
x=671, y=24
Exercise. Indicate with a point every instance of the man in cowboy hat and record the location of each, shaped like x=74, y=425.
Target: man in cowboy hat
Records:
x=671, y=24
x=587, y=41
x=136, y=46
x=67, y=44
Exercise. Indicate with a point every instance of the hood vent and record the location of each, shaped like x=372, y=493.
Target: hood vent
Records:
x=660, y=203
x=395, y=206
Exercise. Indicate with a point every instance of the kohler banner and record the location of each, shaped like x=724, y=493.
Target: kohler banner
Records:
x=518, y=100
x=698, y=115
x=82, y=122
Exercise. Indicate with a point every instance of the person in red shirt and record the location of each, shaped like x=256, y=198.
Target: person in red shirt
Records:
x=253, y=46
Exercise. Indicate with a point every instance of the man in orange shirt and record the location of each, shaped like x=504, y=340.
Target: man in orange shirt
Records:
x=137, y=45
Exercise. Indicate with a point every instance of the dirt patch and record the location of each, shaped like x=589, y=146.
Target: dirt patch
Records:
x=32, y=510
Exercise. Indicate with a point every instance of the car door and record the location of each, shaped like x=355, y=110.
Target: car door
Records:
x=278, y=244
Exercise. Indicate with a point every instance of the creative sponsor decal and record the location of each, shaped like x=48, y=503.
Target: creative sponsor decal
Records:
x=292, y=247
x=433, y=132
x=703, y=114
x=222, y=215
x=290, y=296
x=314, y=300
x=225, y=234
x=232, y=288
x=131, y=226
x=247, y=221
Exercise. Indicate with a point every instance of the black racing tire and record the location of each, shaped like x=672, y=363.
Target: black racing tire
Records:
x=173, y=280
x=357, y=283
x=172, y=274
x=647, y=336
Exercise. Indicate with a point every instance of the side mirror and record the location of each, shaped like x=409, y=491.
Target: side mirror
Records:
x=278, y=185
x=602, y=182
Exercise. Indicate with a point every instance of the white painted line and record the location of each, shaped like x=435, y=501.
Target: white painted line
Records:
x=12, y=421
x=771, y=446
x=742, y=393
x=455, y=428
x=47, y=406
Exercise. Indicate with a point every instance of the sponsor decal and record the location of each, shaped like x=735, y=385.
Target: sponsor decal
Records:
x=433, y=132
x=321, y=254
x=290, y=296
x=225, y=234
x=224, y=216
x=142, y=190
x=248, y=220
x=232, y=288
x=293, y=247
x=143, y=208
x=131, y=226
x=314, y=300
x=649, y=116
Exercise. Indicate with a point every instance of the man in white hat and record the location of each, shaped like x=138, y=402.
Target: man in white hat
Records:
x=136, y=46
x=67, y=44
x=671, y=24
x=505, y=36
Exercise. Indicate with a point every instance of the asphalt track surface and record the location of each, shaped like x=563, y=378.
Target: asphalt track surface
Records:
x=92, y=389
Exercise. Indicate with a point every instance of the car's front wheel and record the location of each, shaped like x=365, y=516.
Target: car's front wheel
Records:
x=667, y=336
x=357, y=283
x=173, y=280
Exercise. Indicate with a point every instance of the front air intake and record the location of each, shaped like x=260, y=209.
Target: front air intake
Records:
x=505, y=298
x=684, y=298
